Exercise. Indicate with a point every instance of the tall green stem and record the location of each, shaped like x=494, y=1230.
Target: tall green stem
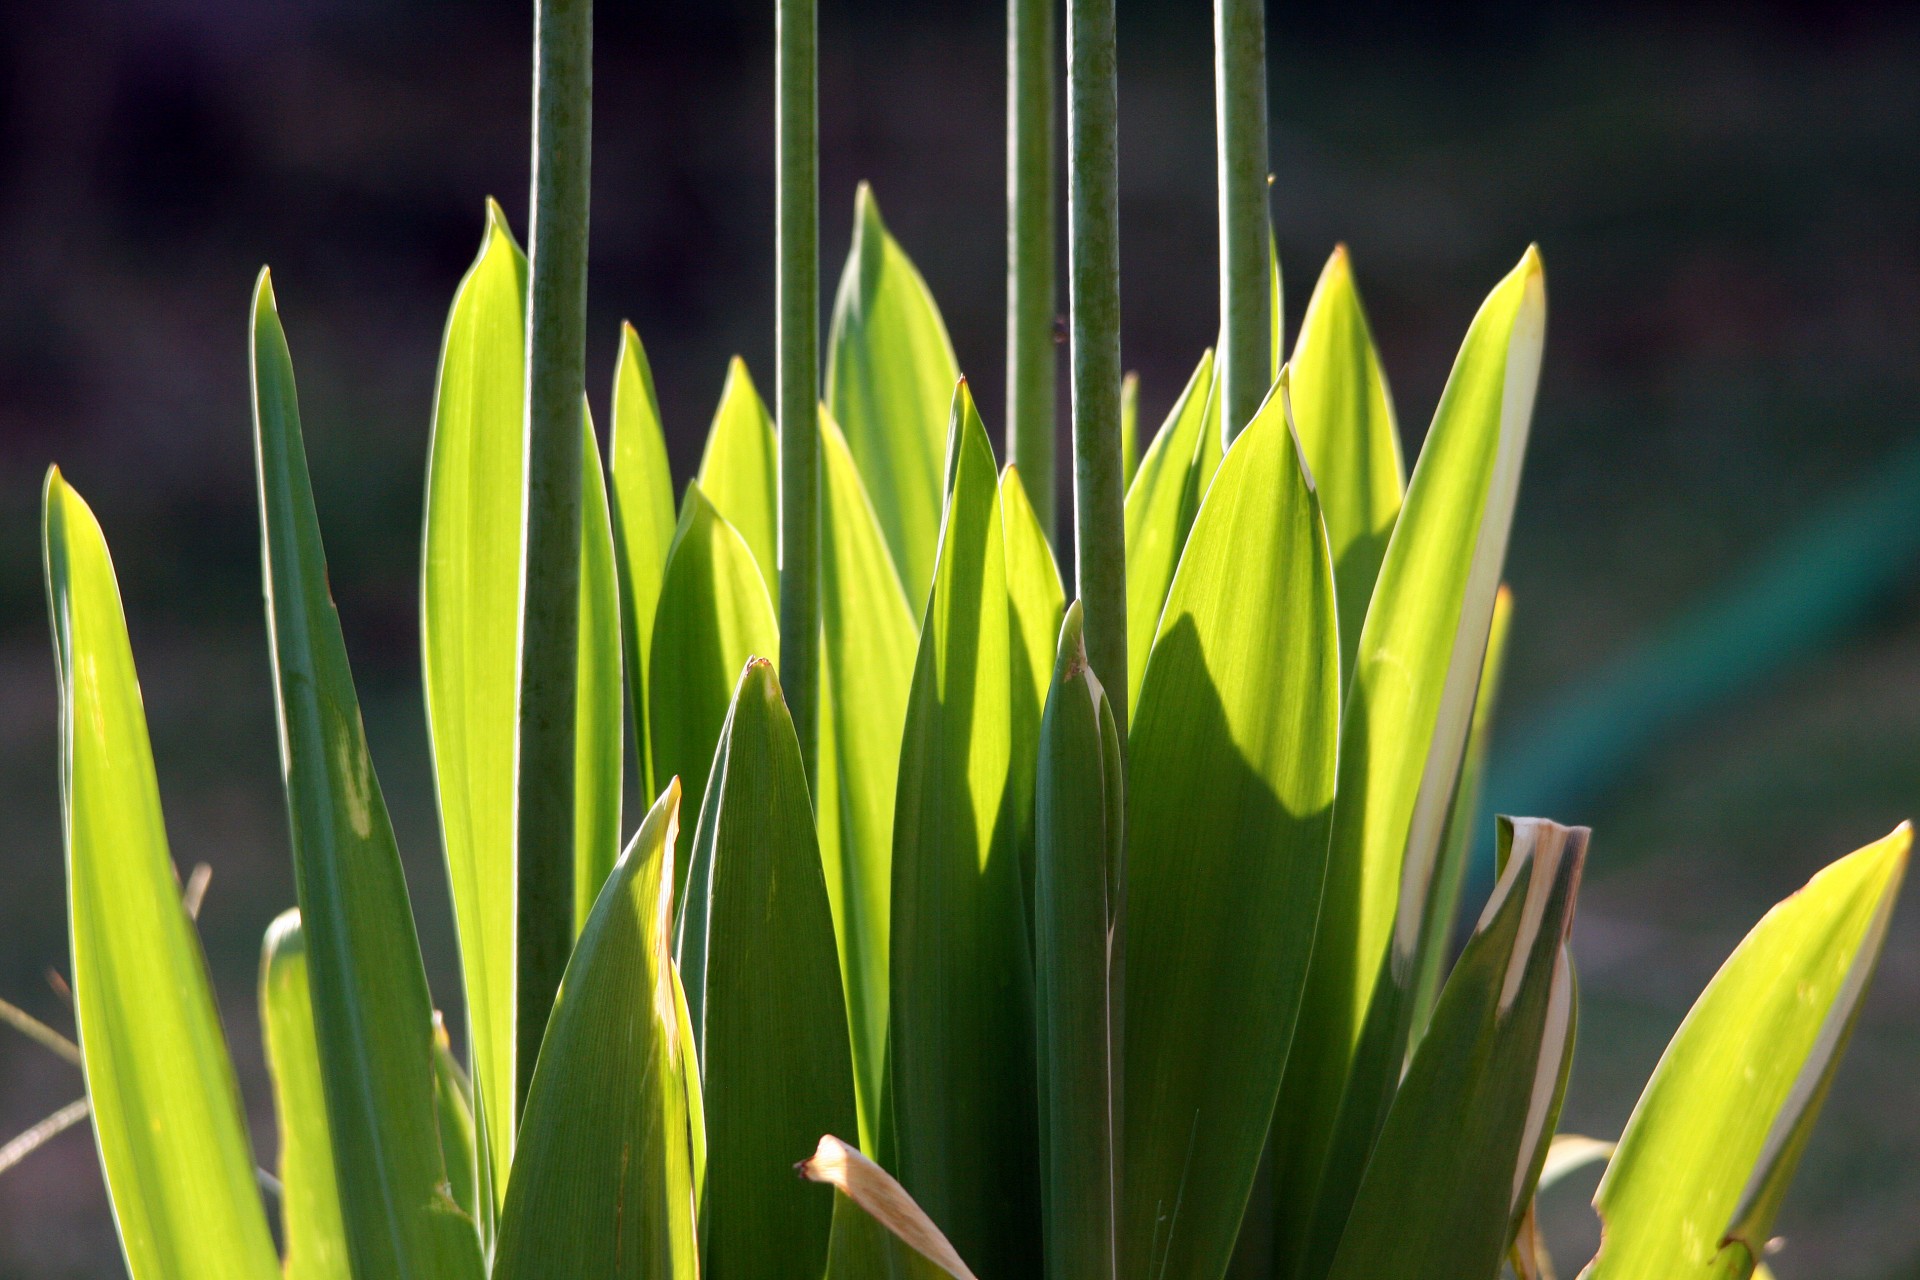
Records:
x=1240, y=112
x=1031, y=152
x=1093, y=250
x=550, y=553
x=797, y=234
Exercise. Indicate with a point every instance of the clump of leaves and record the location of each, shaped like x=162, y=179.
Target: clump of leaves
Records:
x=1043, y=960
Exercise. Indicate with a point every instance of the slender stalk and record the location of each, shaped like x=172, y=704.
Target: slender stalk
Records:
x=1031, y=152
x=550, y=552
x=797, y=235
x=1240, y=112
x=1093, y=250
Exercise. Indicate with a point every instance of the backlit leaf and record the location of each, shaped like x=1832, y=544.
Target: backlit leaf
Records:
x=643, y=525
x=740, y=470
x=316, y=1243
x=1036, y=602
x=599, y=727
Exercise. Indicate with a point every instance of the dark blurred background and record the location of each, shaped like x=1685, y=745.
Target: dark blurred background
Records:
x=1728, y=205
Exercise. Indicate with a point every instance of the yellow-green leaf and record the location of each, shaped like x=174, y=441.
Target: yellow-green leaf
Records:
x=1409, y=705
x=740, y=470
x=372, y=1013
x=1229, y=790
x=961, y=996
x=1463, y=1142
x=316, y=1244
x=1161, y=502
x=868, y=641
x=714, y=614
x=775, y=1067
x=1700, y=1171
x=469, y=604
x=602, y=1185
x=643, y=525
x=1036, y=602
x=599, y=729
x=1344, y=414
x=166, y=1111
x=890, y=376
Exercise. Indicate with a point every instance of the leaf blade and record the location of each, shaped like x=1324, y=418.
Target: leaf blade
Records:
x=599, y=734
x=316, y=1245
x=740, y=470
x=643, y=523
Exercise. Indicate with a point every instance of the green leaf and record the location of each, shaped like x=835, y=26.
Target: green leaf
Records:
x=879, y=1233
x=602, y=1184
x=714, y=614
x=686, y=1068
x=1129, y=427
x=316, y=1243
x=740, y=470
x=1409, y=705
x=1706, y=1157
x=1463, y=1143
x=961, y=998
x=598, y=727
x=775, y=1066
x=1079, y=963
x=1344, y=414
x=1229, y=791
x=372, y=1014
x=890, y=376
x=469, y=595
x=642, y=525
x=453, y=1100
x=1435, y=947
x=1161, y=502
x=869, y=638
x=1037, y=602
x=183, y=1191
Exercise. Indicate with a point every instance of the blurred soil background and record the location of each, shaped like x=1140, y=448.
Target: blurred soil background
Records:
x=1725, y=197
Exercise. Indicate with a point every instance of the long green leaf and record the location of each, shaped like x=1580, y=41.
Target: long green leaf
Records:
x=316, y=1243
x=1161, y=503
x=1456, y=1161
x=372, y=1013
x=740, y=470
x=166, y=1112
x=1409, y=705
x=1078, y=964
x=1344, y=414
x=867, y=665
x=602, y=1181
x=961, y=997
x=467, y=1183
x=1700, y=1171
x=469, y=597
x=1037, y=602
x=890, y=376
x=1229, y=792
x=599, y=730
x=642, y=525
x=714, y=614
x=775, y=1066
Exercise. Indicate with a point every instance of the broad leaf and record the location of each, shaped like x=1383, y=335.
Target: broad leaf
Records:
x=740, y=470
x=775, y=1068
x=599, y=727
x=469, y=604
x=961, y=998
x=1078, y=964
x=372, y=1013
x=166, y=1111
x=1036, y=601
x=1229, y=792
x=714, y=614
x=602, y=1184
x=868, y=641
x=890, y=376
x=1409, y=704
x=1700, y=1171
x=1463, y=1143
x=315, y=1240
x=1161, y=503
x=1344, y=414
x=642, y=525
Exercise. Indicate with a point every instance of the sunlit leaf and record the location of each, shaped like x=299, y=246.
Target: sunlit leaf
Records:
x=316, y=1243
x=740, y=470
x=961, y=997
x=182, y=1189
x=643, y=522
x=602, y=1184
x=1229, y=792
x=890, y=376
x=372, y=1013
x=1036, y=601
x=1712, y=1144
x=1161, y=503
x=599, y=726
